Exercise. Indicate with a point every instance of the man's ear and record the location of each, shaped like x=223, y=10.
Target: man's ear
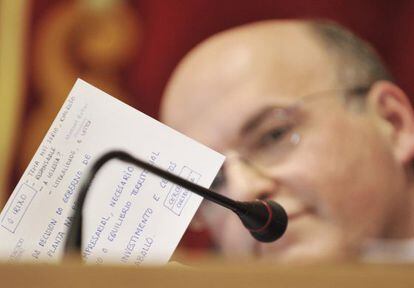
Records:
x=393, y=107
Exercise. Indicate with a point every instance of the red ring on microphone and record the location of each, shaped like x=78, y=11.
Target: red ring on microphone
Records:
x=269, y=219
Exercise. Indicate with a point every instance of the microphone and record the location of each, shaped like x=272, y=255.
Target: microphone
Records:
x=265, y=219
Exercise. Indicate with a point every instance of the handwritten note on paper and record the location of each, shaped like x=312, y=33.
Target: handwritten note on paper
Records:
x=131, y=216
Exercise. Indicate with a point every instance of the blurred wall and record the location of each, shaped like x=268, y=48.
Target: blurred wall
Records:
x=13, y=27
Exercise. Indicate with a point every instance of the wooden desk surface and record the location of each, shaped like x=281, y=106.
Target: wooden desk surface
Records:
x=211, y=275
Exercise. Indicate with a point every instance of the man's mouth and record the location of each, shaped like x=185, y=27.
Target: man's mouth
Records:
x=288, y=239
x=297, y=214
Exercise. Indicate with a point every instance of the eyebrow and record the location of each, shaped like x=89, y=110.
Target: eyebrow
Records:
x=257, y=118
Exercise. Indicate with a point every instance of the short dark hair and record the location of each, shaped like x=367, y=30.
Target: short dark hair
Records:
x=358, y=64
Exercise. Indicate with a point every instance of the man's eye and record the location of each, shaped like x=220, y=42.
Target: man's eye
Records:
x=273, y=136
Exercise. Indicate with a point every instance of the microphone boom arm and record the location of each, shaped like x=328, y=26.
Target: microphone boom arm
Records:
x=257, y=216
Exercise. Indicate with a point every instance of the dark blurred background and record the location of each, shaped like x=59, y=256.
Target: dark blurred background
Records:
x=130, y=48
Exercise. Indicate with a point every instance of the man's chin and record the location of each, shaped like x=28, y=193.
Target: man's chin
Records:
x=308, y=239
x=300, y=253
x=291, y=250
x=320, y=244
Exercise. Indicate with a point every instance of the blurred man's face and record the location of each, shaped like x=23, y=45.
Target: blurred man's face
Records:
x=244, y=94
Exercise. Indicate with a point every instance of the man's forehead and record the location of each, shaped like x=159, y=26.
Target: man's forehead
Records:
x=239, y=70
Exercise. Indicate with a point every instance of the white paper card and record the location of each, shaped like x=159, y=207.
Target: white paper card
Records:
x=131, y=216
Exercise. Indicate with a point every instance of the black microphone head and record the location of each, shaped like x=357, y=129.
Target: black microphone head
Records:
x=265, y=219
x=275, y=227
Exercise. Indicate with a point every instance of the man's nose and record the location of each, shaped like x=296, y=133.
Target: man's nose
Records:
x=244, y=182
